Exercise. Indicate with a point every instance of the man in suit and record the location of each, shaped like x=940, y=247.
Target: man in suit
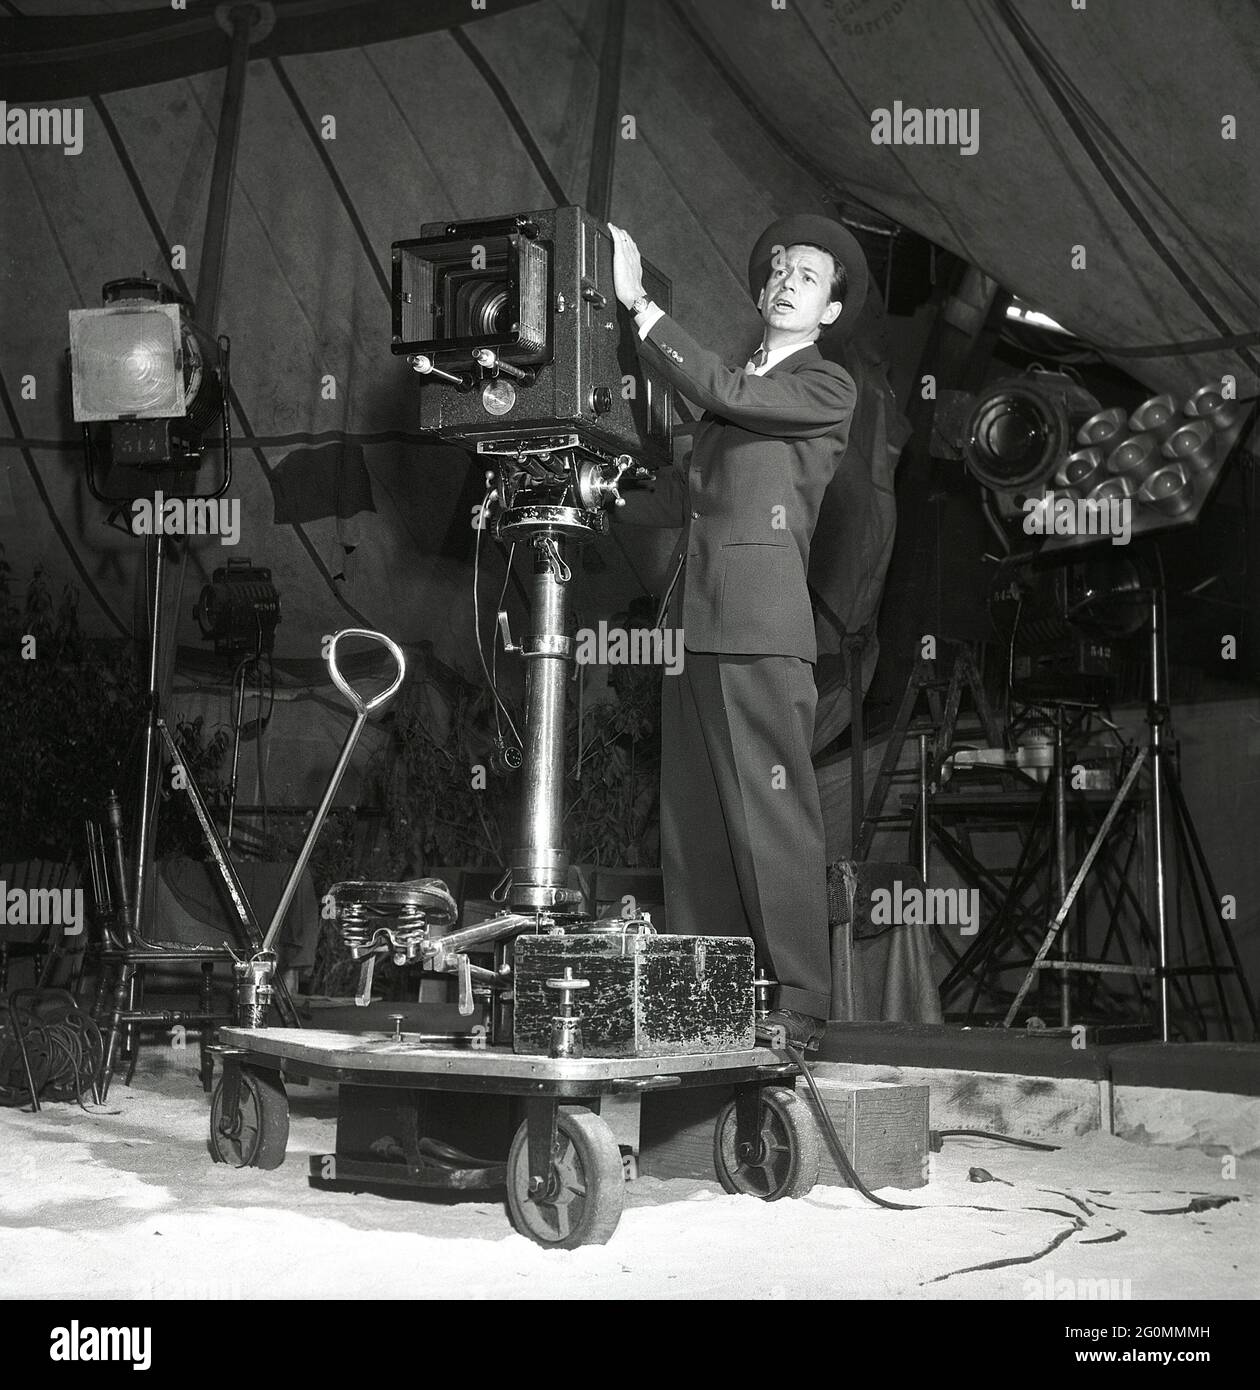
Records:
x=742, y=845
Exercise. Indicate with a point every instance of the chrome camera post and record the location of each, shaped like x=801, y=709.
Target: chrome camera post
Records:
x=526, y=360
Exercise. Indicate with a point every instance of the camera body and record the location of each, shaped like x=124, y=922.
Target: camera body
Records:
x=516, y=323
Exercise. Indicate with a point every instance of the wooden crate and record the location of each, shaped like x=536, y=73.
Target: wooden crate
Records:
x=884, y=1130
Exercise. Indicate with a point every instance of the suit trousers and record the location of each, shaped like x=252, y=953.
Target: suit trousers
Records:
x=742, y=848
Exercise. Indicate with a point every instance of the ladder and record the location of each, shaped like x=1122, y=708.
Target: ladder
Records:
x=938, y=727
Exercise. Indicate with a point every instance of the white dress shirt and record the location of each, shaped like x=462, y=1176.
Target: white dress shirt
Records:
x=773, y=357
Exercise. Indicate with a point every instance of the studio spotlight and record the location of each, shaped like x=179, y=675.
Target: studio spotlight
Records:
x=1020, y=430
x=238, y=611
x=148, y=385
x=1165, y=458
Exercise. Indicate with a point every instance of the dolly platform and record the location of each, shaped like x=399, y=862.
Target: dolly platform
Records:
x=561, y=1134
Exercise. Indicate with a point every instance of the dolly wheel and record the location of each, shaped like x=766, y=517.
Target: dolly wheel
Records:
x=581, y=1202
x=263, y=1133
x=785, y=1160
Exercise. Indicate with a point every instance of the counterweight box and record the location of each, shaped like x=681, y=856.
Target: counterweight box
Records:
x=649, y=994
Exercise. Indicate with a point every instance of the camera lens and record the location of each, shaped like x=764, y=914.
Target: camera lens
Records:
x=483, y=308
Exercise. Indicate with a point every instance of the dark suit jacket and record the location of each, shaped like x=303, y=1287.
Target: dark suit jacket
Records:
x=748, y=495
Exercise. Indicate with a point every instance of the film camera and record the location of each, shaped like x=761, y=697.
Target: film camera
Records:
x=526, y=358
x=517, y=317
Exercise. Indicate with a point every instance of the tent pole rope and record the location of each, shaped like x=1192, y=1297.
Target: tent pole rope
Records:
x=219, y=204
x=604, y=138
x=1041, y=63
x=510, y=109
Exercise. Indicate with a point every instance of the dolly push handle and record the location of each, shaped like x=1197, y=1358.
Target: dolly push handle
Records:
x=383, y=697
x=362, y=710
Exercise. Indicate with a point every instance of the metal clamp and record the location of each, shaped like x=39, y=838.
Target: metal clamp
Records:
x=552, y=558
x=762, y=986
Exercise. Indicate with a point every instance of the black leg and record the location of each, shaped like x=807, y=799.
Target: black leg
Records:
x=207, y=1008
x=122, y=992
x=540, y=1115
x=102, y=988
x=132, y=1031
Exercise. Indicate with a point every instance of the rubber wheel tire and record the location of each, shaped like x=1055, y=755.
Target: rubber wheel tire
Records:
x=788, y=1163
x=584, y=1203
x=264, y=1133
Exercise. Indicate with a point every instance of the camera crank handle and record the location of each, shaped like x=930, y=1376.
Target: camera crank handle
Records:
x=465, y=986
x=493, y=365
x=622, y=462
x=505, y=631
x=426, y=367
x=364, y=709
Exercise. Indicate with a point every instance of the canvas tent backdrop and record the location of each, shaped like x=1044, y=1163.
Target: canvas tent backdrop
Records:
x=1099, y=129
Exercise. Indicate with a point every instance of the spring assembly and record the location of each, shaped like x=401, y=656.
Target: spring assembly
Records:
x=364, y=933
x=392, y=919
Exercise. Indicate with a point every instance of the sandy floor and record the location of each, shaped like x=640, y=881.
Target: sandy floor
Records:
x=126, y=1203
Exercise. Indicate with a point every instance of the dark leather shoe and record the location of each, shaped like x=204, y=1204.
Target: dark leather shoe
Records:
x=800, y=1030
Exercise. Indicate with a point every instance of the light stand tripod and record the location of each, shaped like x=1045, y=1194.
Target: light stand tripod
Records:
x=134, y=886
x=1165, y=796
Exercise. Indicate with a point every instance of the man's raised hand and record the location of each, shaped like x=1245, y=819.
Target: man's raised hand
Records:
x=627, y=267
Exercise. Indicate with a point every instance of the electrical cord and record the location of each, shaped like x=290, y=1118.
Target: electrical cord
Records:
x=450, y=1157
x=937, y=1137
x=494, y=652
x=833, y=1138
x=59, y=1043
x=481, y=653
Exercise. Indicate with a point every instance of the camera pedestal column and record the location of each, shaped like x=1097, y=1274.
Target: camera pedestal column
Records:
x=539, y=864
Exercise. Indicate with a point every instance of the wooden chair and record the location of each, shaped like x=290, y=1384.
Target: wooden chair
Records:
x=41, y=939
x=181, y=937
x=125, y=955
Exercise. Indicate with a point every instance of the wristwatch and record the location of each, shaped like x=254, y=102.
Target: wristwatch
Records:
x=638, y=306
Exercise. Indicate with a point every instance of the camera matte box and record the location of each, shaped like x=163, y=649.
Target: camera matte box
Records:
x=584, y=373
x=649, y=995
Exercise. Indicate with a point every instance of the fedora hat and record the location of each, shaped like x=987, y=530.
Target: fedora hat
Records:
x=811, y=228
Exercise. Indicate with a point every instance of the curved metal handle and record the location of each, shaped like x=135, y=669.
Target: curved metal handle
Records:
x=383, y=697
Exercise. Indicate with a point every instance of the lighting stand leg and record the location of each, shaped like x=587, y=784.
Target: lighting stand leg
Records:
x=1061, y=865
x=1156, y=715
x=925, y=791
x=237, y=720
x=146, y=827
x=1181, y=813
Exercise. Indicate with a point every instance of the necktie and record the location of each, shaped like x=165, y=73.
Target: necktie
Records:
x=759, y=358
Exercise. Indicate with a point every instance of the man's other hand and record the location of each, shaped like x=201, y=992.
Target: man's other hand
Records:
x=627, y=267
